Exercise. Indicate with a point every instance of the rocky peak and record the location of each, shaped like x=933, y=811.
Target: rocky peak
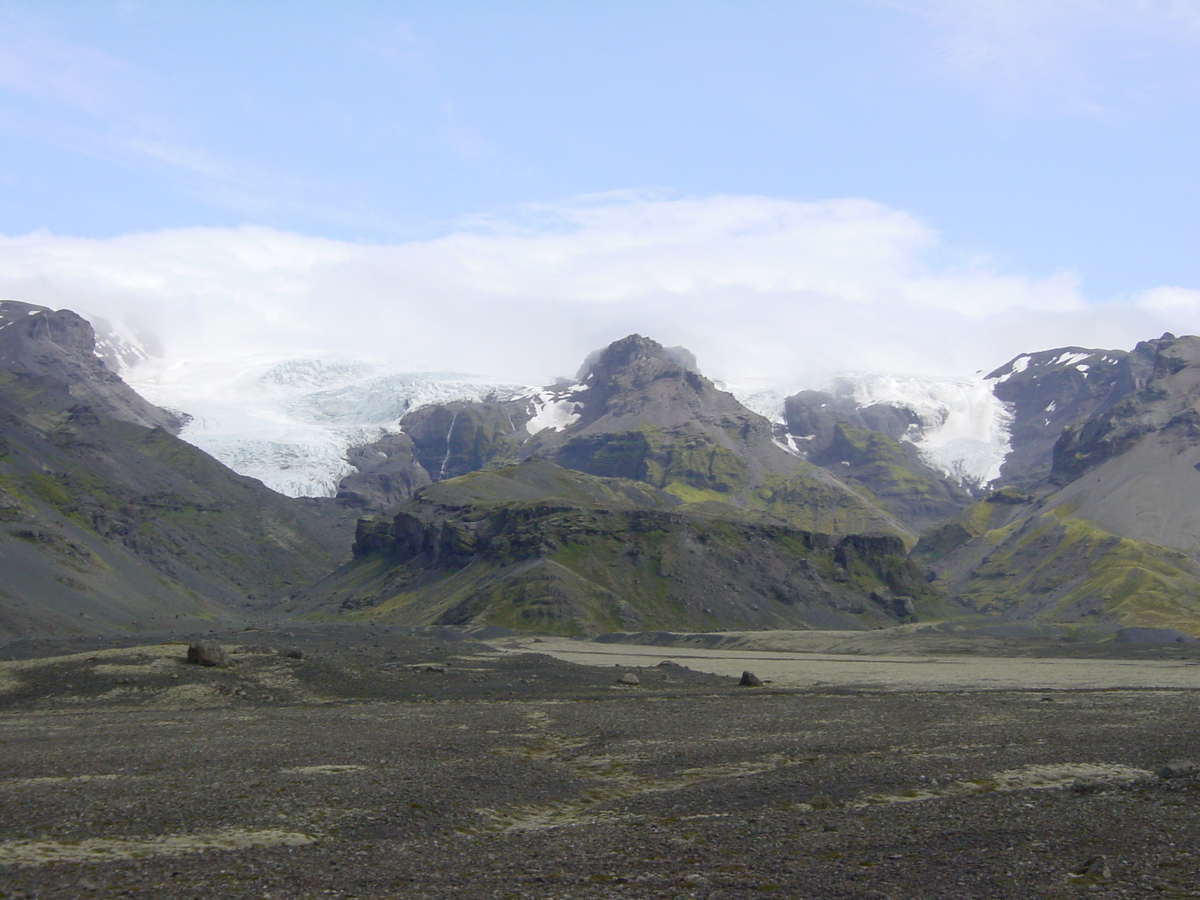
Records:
x=1055, y=389
x=626, y=372
x=1165, y=396
x=58, y=346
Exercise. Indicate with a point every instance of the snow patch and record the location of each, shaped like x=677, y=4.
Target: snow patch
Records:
x=1068, y=359
x=1016, y=367
x=964, y=429
x=554, y=409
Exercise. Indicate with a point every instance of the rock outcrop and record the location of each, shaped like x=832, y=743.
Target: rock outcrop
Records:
x=538, y=547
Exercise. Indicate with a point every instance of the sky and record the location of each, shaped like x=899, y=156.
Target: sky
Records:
x=500, y=187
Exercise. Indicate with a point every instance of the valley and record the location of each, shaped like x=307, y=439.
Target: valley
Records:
x=382, y=763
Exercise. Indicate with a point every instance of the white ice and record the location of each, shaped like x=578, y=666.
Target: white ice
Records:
x=964, y=429
x=289, y=421
x=554, y=410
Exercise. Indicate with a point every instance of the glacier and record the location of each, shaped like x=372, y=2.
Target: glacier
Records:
x=963, y=432
x=289, y=421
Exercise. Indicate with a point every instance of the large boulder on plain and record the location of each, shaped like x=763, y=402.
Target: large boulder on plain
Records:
x=207, y=653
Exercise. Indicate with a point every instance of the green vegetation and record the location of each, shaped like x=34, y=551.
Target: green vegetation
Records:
x=539, y=547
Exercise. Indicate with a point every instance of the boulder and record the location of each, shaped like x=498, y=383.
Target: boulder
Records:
x=1177, y=768
x=207, y=653
x=749, y=679
x=629, y=678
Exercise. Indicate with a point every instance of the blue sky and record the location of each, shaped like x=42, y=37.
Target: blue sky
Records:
x=996, y=171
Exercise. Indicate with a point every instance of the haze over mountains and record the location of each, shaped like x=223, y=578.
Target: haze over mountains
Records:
x=637, y=496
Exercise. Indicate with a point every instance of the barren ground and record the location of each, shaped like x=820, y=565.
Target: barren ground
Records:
x=396, y=765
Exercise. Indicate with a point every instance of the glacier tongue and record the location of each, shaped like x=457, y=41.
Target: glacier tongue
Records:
x=289, y=421
x=964, y=430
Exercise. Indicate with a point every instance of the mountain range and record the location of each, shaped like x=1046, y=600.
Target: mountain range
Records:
x=637, y=496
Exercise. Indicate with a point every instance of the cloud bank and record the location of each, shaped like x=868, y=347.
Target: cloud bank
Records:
x=763, y=290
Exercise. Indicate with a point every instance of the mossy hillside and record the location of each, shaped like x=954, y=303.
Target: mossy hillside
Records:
x=639, y=562
x=989, y=516
x=129, y=522
x=893, y=475
x=1060, y=568
x=658, y=456
x=808, y=500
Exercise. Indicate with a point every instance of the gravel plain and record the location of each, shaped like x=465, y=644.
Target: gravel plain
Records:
x=385, y=764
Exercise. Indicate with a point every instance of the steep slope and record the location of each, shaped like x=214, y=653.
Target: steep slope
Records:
x=535, y=546
x=1113, y=534
x=59, y=346
x=1056, y=389
x=863, y=445
x=106, y=524
x=641, y=411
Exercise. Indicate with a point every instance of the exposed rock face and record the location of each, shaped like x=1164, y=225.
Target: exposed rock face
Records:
x=814, y=415
x=1164, y=397
x=59, y=345
x=538, y=547
x=1056, y=389
x=388, y=474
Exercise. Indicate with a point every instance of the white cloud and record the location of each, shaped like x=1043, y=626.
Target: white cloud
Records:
x=1082, y=54
x=761, y=289
x=1171, y=300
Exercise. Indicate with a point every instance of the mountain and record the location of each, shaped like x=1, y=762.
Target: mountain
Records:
x=108, y=522
x=58, y=347
x=864, y=445
x=642, y=412
x=536, y=546
x=1056, y=389
x=639, y=494
x=1111, y=532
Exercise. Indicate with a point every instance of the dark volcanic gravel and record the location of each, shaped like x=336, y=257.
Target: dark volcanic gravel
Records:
x=405, y=765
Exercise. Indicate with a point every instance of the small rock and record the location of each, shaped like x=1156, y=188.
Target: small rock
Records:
x=693, y=879
x=1095, y=868
x=293, y=653
x=749, y=679
x=207, y=653
x=629, y=678
x=1086, y=784
x=1177, y=768
x=669, y=664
